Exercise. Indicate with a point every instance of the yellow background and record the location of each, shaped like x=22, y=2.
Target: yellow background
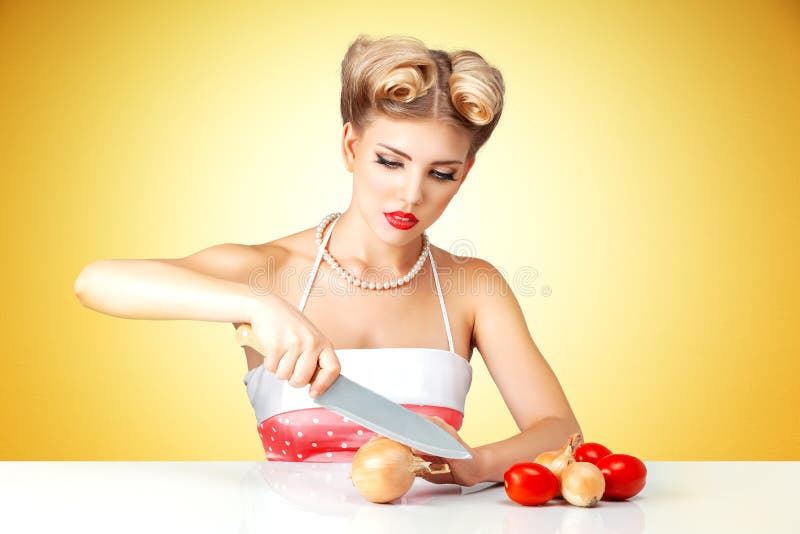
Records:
x=647, y=166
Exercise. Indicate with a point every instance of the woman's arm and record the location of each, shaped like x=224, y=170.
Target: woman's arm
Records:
x=206, y=286
x=525, y=380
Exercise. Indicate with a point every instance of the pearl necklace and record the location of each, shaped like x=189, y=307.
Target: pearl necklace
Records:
x=355, y=280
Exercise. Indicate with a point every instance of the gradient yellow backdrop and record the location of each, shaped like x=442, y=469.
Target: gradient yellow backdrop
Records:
x=646, y=170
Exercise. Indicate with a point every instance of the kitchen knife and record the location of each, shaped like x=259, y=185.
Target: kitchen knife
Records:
x=378, y=413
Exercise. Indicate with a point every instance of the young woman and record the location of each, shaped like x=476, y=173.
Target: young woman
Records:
x=414, y=119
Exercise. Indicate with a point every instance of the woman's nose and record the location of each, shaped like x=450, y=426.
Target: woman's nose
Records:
x=411, y=191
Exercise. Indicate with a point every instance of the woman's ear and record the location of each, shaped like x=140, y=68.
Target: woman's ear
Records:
x=349, y=138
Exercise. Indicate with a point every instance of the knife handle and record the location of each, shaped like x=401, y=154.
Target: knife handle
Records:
x=246, y=337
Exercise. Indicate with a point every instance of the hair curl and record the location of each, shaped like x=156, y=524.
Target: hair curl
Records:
x=398, y=76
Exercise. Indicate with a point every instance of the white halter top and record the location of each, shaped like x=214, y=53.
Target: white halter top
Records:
x=405, y=375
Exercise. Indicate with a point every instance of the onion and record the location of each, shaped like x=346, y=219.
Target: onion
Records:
x=582, y=484
x=384, y=470
x=557, y=461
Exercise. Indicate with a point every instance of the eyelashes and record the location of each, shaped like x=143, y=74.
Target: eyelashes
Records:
x=394, y=164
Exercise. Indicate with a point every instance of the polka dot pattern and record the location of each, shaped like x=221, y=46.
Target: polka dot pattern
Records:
x=321, y=435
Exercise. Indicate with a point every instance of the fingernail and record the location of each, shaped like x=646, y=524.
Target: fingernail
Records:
x=314, y=393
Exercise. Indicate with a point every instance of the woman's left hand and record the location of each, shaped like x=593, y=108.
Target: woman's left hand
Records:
x=463, y=472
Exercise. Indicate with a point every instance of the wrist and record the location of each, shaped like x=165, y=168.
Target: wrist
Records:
x=255, y=305
x=483, y=464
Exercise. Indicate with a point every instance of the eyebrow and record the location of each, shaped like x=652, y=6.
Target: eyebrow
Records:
x=401, y=153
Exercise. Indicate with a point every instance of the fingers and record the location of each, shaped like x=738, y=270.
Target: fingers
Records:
x=326, y=374
x=286, y=365
x=319, y=368
x=443, y=476
x=271, y=360
x=304, y=368
x=440, y=472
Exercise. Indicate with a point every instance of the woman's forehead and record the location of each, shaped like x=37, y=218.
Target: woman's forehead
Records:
x=426, y=139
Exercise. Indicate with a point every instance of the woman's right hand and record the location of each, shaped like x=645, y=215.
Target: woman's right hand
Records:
x=293, y=347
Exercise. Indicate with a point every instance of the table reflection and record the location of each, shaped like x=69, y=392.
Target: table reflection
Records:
x=320, y=495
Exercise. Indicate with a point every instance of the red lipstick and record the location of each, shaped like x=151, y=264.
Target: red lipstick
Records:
x=401, y=220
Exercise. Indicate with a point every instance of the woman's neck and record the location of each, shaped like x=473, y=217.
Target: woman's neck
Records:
x=354, y=244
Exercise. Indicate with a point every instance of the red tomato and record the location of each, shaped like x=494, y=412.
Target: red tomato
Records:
x=530, y=483
x=625, y=475
x=590, y=452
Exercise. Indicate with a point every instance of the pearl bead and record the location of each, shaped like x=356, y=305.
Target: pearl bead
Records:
x=386, y=285
x=372, y=285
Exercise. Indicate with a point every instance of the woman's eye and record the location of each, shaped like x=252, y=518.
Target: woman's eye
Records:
x=388, y=163
x=395, y=164
x=443, y=176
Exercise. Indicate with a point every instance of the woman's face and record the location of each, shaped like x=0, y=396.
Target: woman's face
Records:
x=410, y=166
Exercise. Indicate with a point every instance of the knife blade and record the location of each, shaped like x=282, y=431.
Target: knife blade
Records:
x=389, y=419
x=378, y=413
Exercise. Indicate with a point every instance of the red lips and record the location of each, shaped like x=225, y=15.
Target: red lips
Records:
x=404, y=215
x=401, y=220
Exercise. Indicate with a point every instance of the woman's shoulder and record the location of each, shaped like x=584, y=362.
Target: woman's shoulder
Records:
x=470, y=265
x=299, y=247
x=470, y=276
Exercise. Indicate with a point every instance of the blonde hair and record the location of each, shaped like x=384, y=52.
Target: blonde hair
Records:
x=398, y=76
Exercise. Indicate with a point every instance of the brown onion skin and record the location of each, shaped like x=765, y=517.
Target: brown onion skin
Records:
x=558, y=460
x=582, y=484
x=384, y=470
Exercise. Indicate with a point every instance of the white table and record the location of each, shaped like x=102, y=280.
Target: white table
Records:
x=278, y=497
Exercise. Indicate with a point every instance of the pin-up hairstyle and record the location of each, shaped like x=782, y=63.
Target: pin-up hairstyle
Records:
x=399, y=77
